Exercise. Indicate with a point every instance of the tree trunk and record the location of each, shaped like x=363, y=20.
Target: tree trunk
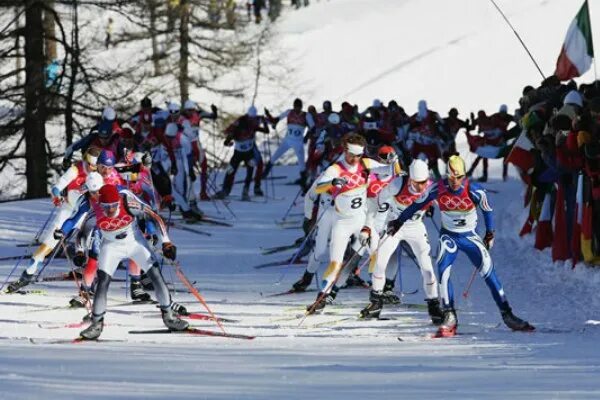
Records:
x=35, y=111
x=73, y=77
x=18, y=58
x=184, y=40
x=155, y=55
x=50, y=32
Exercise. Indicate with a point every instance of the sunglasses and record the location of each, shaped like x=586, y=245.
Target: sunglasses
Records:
x=109, y=206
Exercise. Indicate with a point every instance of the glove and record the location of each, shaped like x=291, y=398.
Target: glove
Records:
x=307, y=225
x=79, y=259
x=365, y=236
x=147, y=159
x=57, y=199
x=430, y=211
x=169, y=250
x=59, y=235
x=214, y=110
x=174, y=169
x=339, y=182
x=66, y=163
x=394, y=226
x=228, y=143
x=488, y=239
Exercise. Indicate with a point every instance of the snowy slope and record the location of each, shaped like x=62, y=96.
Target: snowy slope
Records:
x=439, y=48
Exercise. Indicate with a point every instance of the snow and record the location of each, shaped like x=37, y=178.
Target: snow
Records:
x=451, y=53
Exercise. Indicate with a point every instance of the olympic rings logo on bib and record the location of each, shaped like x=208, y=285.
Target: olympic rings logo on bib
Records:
x=452, y=203
x=112, y=224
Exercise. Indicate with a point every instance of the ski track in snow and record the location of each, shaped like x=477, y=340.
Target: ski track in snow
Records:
x=331, y=353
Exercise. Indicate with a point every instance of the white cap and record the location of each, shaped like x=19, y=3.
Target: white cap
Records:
x=109, y=113
x=418, y=170
x=189, y=105
x=173, y=107
x=94, y=181
x=333, y=118
x=251, y=111
x=503, y=108
x=171, y=129
x=573, y=97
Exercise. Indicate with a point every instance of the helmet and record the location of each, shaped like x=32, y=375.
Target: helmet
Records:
x=94, y=182
x=376, y=103
x=105, y=129
x=171, y=129
x=573, y=97
x=327, y=106
x=173, y=108
x=298, y=103
x=418, y=170
x=127, y=131
x=109, y=113
x=387, y=154
x=455, y=167
x=333, y=118
x=109, y=194
x=106, y=158
x=189, y=105
x=453, y=112
x=251, y=111
x=146, y=102
x=503, y=108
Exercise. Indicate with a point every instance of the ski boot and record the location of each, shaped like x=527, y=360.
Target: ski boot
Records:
x=93, y=331
x=245, y=195
x=179, y=309
x=389, y=296
x=435, y=312
x=330, y=299
x=319, y=305
x=355, y=281
x=137, y=292
x=258, y=191
x=303, y=283
x=82, y=299
x=172, y=321
x=146, y=281
x=189, y=216
x=196, y=210
x=23, y=281
x=449, y=324
x=373, y=310
x=221, y=195
x=515, y=323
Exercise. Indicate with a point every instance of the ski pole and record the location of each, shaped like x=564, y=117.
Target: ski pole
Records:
x=194, y=291
x=468, y=288
x=76, y=281
x=328, y=288
x=291, y=205
x=35, y=239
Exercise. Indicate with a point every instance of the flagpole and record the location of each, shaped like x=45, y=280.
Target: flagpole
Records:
x=592, y=38
x=520, y=40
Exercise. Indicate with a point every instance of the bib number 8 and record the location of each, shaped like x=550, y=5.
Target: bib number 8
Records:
x=356, y=203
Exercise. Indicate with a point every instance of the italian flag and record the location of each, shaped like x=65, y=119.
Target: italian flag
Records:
x=578, y=51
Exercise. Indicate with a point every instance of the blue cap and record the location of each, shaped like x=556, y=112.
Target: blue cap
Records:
x=106, y=158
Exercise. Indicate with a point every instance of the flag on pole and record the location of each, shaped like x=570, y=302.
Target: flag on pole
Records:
x=578, y=50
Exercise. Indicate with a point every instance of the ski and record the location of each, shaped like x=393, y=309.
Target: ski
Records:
x=210, y=221
x=192, y=331
x=188, y=229
x=134, y=303
x=205, y=317
x=279, y=263
x=270, y=178
x=273, y=250
x=288, y=292
x=77, y=340
x=59, y=326
x=32, y=244
x=7, y=258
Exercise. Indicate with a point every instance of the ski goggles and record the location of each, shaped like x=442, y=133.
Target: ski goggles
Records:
x=109, y=206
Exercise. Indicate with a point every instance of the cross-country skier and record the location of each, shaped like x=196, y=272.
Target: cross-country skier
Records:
x=297, y=123
x=65, y=194
x=393, y=199
x=458, y=199
x=242, y=134
x=115, y=214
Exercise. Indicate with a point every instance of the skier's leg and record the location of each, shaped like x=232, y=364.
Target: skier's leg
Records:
x=342, y=230
x=387, y=248
x=448, y=250
x=417, y=240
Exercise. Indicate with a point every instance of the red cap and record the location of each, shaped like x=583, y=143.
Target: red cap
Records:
x=109, y=194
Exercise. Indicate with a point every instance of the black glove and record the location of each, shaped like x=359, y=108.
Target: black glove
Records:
x=339, y=182
x=59, y=235
x=488, y=239
x=214, y=110
x=169, y=250
x=174, y=169
x=79, y=259
x=430, y=211
x=365, y=236
x=307, y=225
x=394, y=226
x=228, y=142
x=66, y=163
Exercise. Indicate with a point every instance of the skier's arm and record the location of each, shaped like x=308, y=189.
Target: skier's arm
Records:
x=82, y=211
x=81, y=144
x=310, y=121
x=138, y=208
x=63, y=181
x=328, y=180
x=479, y=196
x=429, y=195
x=263, y=126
